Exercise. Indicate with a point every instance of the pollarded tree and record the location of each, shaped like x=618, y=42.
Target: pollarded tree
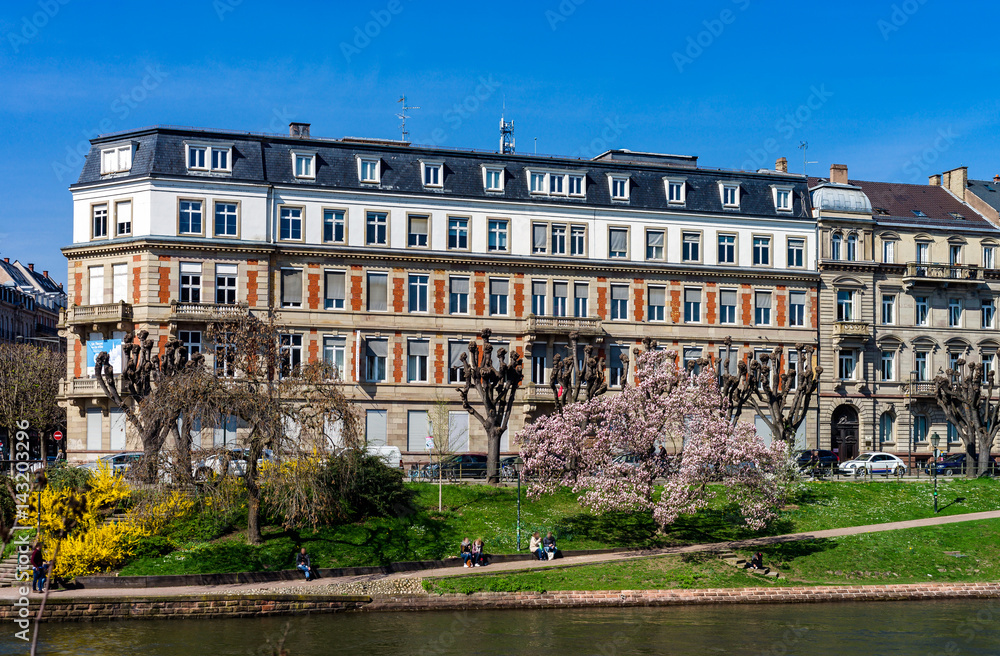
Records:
x=571, y=376
x=617, y=456
x=496, y=388
x=967, y=401
x=781, y=398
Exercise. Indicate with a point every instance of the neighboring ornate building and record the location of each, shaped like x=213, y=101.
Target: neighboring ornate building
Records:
x=908, y=285
x=29, y=305
x=386, y=258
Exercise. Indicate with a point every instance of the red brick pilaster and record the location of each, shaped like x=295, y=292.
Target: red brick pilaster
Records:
x=164, y=281
x=313, y=287
x=440, y=293
x=747, y=304
x=439, y=362
x=711, y=304
x=518, y=295
x=313, y=346
x=781, y=301
x=638, y=300
x=398, y=359
x=675, y=302
x=356, y=287
x=398, y=289
x=78, y=287
x=602, y=298
x=77, y=357
x=479, y=294
x=813, y=308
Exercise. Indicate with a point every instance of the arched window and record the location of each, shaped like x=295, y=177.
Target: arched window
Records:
x=835, y=246
x=887, y=428
x=852, y=247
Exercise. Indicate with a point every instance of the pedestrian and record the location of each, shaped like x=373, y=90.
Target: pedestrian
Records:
x=535, y=546
x=549, y=544
x=39, y=569
x=302, y=563
x=465, y=550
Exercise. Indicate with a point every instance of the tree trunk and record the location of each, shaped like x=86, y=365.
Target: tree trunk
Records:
x=493, y=435
x=971, y=459
x=255, y=451
x=152, y=442
x=984, y=453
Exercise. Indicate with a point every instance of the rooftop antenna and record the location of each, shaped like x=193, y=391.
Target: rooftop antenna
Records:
x=506, y=132
x=804, y=146
x=402, y=116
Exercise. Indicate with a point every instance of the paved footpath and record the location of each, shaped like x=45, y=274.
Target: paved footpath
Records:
x=322, y=586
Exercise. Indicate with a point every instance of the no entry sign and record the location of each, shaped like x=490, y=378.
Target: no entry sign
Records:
x=57, y=436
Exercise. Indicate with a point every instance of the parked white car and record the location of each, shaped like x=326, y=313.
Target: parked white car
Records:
x=233, y=461
x=389, y=454
x=873, y=462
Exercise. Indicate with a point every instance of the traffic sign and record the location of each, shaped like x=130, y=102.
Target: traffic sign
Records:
x=430, y=443
x=57, y=436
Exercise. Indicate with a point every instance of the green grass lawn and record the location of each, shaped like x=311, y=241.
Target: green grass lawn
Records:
x=955, y=552
x=479, y=511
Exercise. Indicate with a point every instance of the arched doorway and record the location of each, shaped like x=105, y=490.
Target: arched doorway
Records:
x=844, y=432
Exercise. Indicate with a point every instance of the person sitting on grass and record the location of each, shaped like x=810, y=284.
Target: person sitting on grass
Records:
x=756, y=562
x=536, y=546
x=466, y=552
x=302, y=563
x=478, y=557
x=549, y=544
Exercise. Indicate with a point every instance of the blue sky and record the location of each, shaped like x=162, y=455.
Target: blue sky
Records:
x=895, y=90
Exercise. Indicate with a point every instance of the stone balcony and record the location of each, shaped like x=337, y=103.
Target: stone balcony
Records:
x=88, y=315
x=77, y=388
x=928, y=273
x=206, y=312
x=921, y=389
x=537, y=394
x=852, y=330
x=537, y=325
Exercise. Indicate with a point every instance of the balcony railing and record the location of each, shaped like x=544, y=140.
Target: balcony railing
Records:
x=934, y=272
x=922, y=388
x=852, y=329
x=584, y=325
x=105, y=313
x=204, y=311
x=82, y=387
x=538, y=393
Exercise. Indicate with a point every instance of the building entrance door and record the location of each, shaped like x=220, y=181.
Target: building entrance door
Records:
x=844, y=432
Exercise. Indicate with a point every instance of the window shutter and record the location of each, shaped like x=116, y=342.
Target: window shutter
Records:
x=560, y=289
x=418, y=225
x=654, y=238
x=291, y=286
x=334, y=285
x=798, y=298
x=581, y=290
x=763, y=299
x=494, y=357
x=728, y=297
x=378, y=292
x=658, y=296
x=538, y=232
x=498, y=287
x=692, y=296
x=619, y=240
x=538, y=287
x=619, y=292
x=378, y=347
x=419, y=347
x=455, y=351
x=460, y=285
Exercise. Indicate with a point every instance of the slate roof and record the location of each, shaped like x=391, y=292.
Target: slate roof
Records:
x=159, y=152
x=987, y=190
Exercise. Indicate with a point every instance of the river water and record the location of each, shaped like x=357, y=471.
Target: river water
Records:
x=913, y=628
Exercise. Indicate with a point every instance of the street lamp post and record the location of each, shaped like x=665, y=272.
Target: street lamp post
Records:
x=913, y=420
x=518, y=465
x=935, y=440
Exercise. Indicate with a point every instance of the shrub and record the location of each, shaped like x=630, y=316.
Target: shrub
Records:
x=153, y=546
x=62, y=475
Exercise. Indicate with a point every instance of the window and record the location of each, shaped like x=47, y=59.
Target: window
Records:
x=846, y=361
x=616, y=369
x=116, y=160
x=191, y=340
x=988, y=259
x=494, y=179
x=954, y=254
x=498, y=296
x=335, y=294
x=497, y=235
x=657, y=303
x=762, y=251
x=920, y=365
x=190, y=217
x=100, y=221
x=539, y=353
x=220, y=159
x=333, y=354
x=692, y=305
x=845, y=305
x=783, y=200
x=953, y=361
x=334, y=227
x=955, y=312
x=537, y=181
x=119, y=282
x=418, y=293
x=691, y=247
x=654, y=244
x=196, y=157
x=456, y=372
x=730, y=196
x=989, y=361
x=923, y=250
x=920, y=428
x=190, y=282
x=95, y=279
x=889, y=252
x=378, y=292
x=291, y=288
x=729, y=361
x=762, y=308
x=305, y=165
x=558, y=239
x=852, y=247
x=792, y=367
x=887, y=365
x=888, y=309
x=376, y=352
x=989, y=311
x=796, y=308
x=458, y=296
x=375, y=427
x=920, y=303
x=618, y=243
x=619, y=302
x=417, y=234
x=432, y=175
x=291, y=223
x=416, y=360
x=123, y=218
x=556, y=183
x=225, y=356
x=796, y=252
x=369, y=170
x=727, y=305
x=560, y=294
x=619, y=188
x=539, y=237
x=675, y=191
x=581, y=292
x=577, y=245
x=887, y=428
x=836, y=242
x=692, y=354
x=225, y=220
x=575, y=185
x=225, y=283
x=458, y=233
x=727, y=249
x=538, y=293
x=376, y=228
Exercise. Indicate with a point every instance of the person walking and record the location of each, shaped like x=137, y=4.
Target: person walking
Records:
x=39, y=569
x=303, y=564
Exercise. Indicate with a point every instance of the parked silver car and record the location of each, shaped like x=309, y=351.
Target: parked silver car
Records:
x=119, y=462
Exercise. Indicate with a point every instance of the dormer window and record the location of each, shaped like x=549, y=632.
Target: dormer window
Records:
x=575, y=185
x=556, y=184
x=116, y=160
x=433, y=174
x=369, y=170
x=730, y=195
x=675, y=191
x=783, y=199
x=209, y=157
x=196, y=157
x=304, y=165
x=537, y=181
x=918, y=213
x=220, y=159
x=619, y=187
x=493, y=179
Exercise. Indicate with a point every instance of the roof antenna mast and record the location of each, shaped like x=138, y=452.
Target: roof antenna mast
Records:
x=506, y=132
x=804, y=146
x=402, y=116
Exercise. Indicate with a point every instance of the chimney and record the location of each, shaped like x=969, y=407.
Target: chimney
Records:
x=838, y=173
x=996, y=179
x=781, y=166
x=7, y=260
x=31, y=267
x=934, y=180
x=955, y=181
x=45, y=274
x=298, y=129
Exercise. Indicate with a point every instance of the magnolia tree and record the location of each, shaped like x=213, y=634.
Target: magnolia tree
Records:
x=673, y=425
